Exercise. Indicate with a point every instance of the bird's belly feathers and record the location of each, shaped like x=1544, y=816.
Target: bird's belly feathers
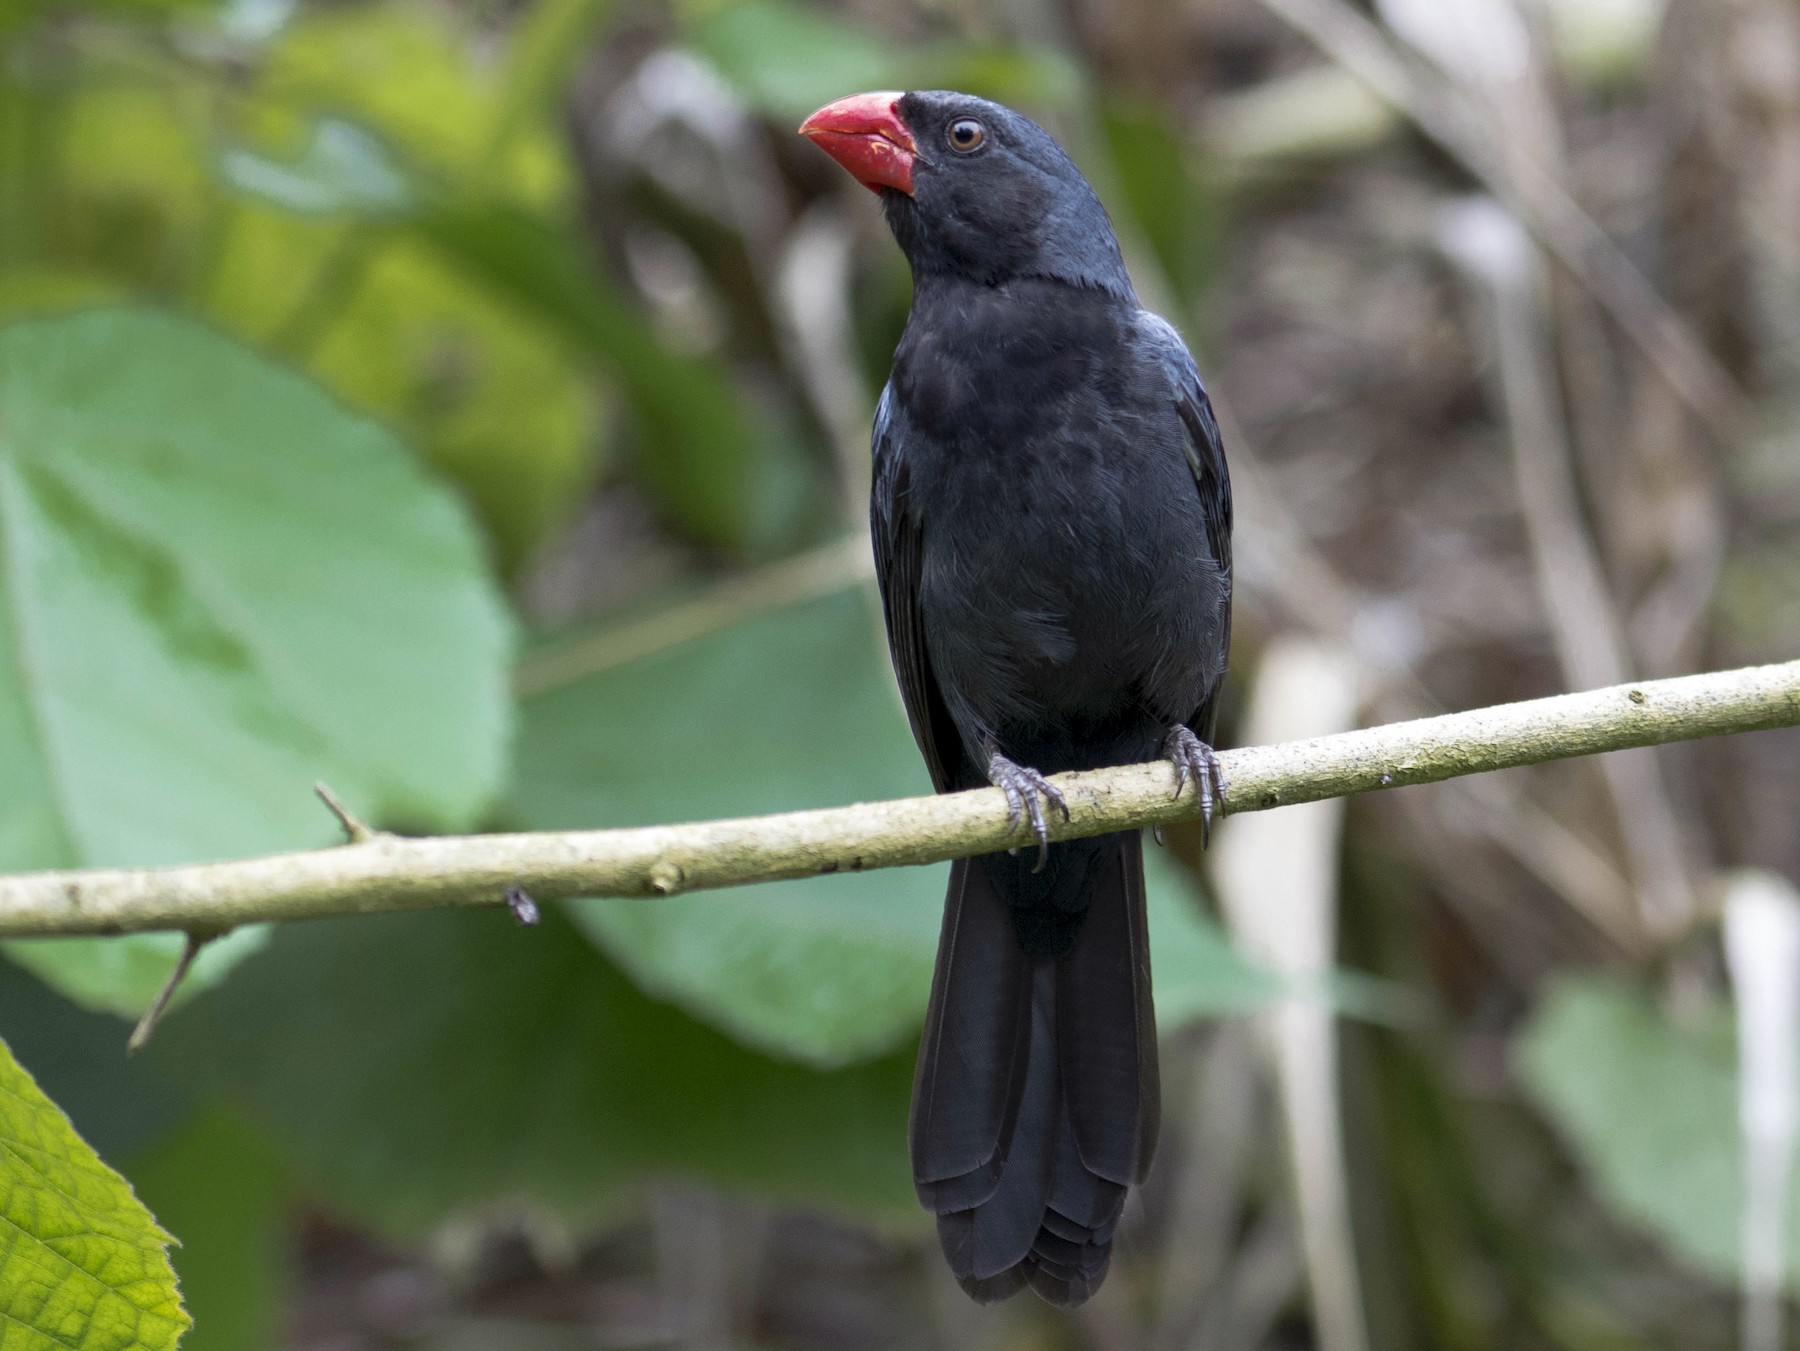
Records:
x=1071, y=589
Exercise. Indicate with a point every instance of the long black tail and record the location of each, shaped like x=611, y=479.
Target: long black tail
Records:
x=1036, y=1099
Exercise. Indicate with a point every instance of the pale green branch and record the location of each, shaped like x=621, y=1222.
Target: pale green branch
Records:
x=391, y=873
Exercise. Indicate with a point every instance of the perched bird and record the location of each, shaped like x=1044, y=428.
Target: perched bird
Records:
x=1052, y=527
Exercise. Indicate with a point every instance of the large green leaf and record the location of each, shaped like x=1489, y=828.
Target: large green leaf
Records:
x=789, y=711
x=415, y=1065
x=793, y=710
x=83, y=1266
x=1650, y=1106
x=217, y=586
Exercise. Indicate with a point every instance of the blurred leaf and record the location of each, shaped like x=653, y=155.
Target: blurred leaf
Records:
x=698, y=439
x=1040, y=78
x=496, y=398
x=123, y=974
x=417, y=73
x=1651, y=1109
x=343, y=168
x=123, y=185
x=543, y=51
x=84, y=1267
x=792, y=710
x=499, y=401
x=1150, y=164
x=415, y=1065
x=786, y=59
x=1197, y=973
x=223, y=1188
x=219, y=587
x=1605, y=41
x=16, y=13
x=42, y=291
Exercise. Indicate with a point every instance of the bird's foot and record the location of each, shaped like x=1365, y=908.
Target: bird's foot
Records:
x=1026, y=793
x=1196, y=760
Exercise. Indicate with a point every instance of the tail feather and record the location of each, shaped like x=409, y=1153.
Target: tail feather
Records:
x=1036, y=1100
x=1107, y=1028
x=972, y=1056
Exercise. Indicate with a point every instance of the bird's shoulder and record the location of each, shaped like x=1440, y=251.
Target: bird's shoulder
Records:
x=1202, y=440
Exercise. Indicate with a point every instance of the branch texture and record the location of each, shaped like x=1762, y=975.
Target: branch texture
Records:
x=384, y=872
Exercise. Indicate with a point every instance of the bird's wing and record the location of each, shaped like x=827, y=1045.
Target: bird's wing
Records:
x=1212, y=478
x=1205, y=448
x=898, y=537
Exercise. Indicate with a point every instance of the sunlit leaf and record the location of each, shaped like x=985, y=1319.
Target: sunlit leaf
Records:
x=499, y=401
x=218, y=587
x=83, y=1266
x=38, y=292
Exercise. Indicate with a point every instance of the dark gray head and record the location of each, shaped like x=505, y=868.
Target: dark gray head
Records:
x=973, y=189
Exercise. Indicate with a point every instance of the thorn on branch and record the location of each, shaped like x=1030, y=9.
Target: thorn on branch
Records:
x=356, y=830
x=520, y=906
x=190, y=949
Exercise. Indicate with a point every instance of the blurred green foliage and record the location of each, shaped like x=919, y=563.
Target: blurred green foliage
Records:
x=1649, y=1099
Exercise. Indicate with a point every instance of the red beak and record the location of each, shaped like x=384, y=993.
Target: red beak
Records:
x=864, y=133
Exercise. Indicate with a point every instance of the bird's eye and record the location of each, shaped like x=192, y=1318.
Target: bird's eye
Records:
x=966, y=134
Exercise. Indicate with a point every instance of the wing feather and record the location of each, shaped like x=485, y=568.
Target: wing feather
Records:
x=1205, y=449
x=899, y=540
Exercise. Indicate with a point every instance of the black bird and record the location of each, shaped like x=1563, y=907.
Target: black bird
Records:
x=1052, y=526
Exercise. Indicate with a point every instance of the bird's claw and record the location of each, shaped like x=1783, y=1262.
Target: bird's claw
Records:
x=1026, y=792
x=1194, y=759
